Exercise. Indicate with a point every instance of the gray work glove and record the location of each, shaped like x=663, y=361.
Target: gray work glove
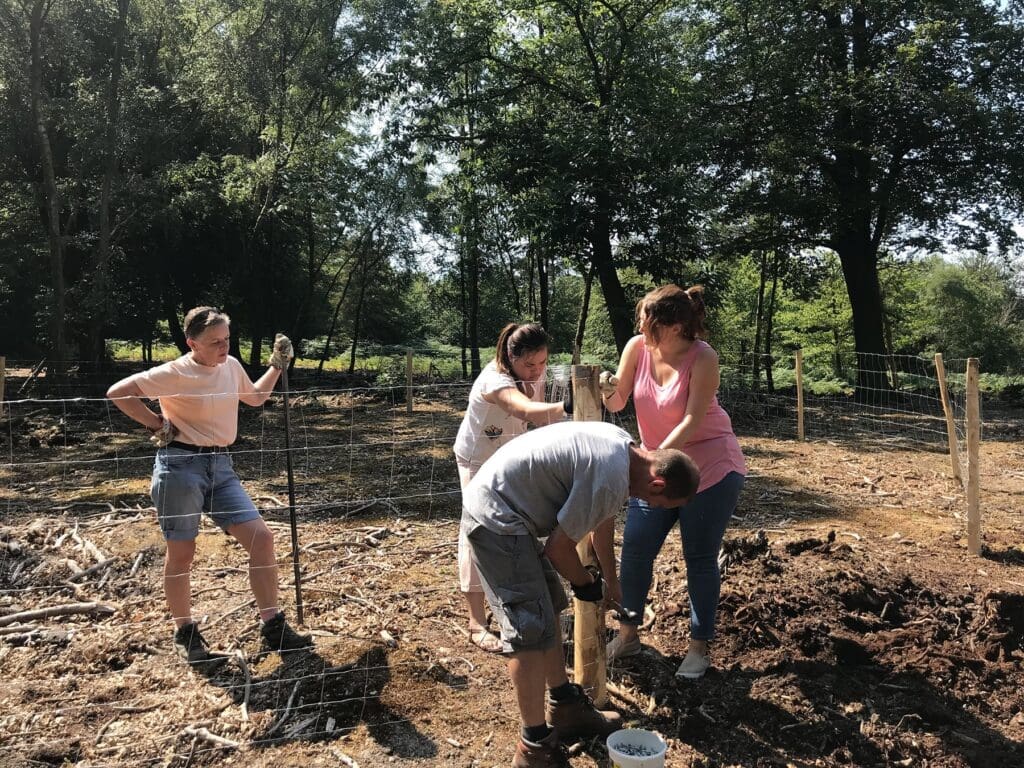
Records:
x=608, y=383
x=282, y=354
x=164, y=435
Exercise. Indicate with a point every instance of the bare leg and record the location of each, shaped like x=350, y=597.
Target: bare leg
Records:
x=258, y=541
x=177, y=584
x=527, y=670
x=477, y=605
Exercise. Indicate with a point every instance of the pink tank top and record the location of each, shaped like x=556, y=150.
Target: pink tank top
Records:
x=659, y=409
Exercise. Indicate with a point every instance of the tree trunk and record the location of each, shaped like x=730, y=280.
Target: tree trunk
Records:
x=531, y=298
x=464, y=306
x=334, y=324
x=619, y=313
x=755, y=360
x=581, y=325
x=860, y=270
x=100, y=299
x=472, y=247
x=55, y=238
x=890, y=358
x=769, y=374
x=174, y=324
x=517, y=302
x=542, y=285
x=358, y=315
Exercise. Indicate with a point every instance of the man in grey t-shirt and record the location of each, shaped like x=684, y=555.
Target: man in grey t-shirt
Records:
x=563, y=482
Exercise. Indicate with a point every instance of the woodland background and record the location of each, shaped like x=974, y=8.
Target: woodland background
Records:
x=845, y=177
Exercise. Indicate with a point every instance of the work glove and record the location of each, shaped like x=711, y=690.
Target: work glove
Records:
x=592, y=592
x=608, y=383
x=282, y=354
x=164, y=435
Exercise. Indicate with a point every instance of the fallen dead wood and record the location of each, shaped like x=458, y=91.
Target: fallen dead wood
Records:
x=68, y=609
x=89, y=547
x=233, y=611
x=248, y=683
x=639, y=702
x=204, y=735
x=345, y=759
x=287, y=710
x=18, y=628
x=92, y=569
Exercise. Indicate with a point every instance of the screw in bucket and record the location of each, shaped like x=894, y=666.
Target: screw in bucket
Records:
x=636, y=748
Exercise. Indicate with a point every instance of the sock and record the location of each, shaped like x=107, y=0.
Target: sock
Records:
x=535, y=734
x=564, y=692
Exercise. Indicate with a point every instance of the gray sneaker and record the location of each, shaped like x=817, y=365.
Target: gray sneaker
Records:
x=694, y=666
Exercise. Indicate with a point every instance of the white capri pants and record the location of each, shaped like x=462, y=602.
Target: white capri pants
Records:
x=469, y=579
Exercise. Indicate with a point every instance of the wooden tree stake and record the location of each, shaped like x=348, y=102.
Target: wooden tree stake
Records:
x=973, y=450
x=590, y=661
x=3, y=379
x=947, y=408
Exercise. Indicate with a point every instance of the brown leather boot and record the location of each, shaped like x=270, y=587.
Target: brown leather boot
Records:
x=547, y=753
x=577, y=716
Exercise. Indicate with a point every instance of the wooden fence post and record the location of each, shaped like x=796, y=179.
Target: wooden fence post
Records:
x=408, y=381
x=947, y=408
x=973, y=454
x=590, y=661
x=800, y=395
x=3, y=381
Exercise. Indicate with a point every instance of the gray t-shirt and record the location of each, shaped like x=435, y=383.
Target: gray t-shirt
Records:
x=573, y=475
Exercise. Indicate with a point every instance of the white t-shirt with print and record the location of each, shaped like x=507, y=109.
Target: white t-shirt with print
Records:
x=486, y=427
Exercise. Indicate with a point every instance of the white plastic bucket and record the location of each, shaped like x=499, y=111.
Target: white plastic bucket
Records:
x=636, y=748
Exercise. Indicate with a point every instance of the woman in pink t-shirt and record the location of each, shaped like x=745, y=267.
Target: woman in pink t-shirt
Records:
x=673, y=377
x=193, y=472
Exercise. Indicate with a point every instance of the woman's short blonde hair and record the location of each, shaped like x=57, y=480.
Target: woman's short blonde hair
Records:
x=199, y=319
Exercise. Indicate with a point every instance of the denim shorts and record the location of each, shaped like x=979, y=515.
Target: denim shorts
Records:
x=522, y=587
x=186, y=484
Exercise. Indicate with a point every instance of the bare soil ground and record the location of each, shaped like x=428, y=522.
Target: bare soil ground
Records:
x=855, y=628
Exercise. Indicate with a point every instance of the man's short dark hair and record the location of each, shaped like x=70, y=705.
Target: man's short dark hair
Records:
x=680, y=474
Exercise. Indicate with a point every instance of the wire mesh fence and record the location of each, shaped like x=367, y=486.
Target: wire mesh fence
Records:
x=369, y=478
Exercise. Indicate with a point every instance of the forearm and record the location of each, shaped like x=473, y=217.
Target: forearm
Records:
x=615, y=402
x=523, y=408
x=547, y=413
x=561, y=551
x=138, y=411
x=683, y=432
x=264, y=386
x=602, y=539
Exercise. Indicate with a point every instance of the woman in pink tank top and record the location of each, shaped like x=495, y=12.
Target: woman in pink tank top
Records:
x=673, y=377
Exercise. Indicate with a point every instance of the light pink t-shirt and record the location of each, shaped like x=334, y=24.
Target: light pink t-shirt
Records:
x=659, y=409
x=200, y=400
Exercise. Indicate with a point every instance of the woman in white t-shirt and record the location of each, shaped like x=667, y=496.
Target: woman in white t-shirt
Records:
x=507, y=397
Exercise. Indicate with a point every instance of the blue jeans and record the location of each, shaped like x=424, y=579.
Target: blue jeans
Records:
x=186, y=484
x=702, y=525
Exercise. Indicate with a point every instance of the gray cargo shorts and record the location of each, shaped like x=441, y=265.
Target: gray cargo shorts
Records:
x=522, y=587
